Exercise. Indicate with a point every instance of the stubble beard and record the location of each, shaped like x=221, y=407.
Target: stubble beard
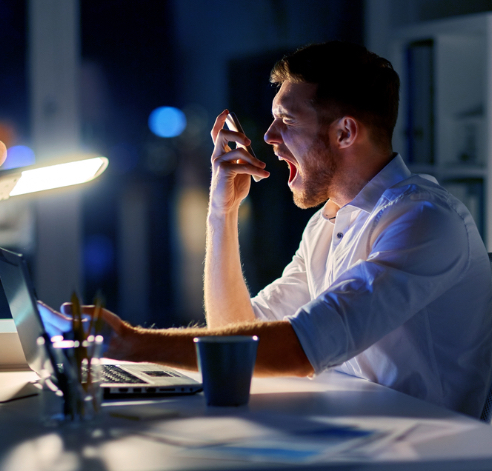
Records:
x=319, y=168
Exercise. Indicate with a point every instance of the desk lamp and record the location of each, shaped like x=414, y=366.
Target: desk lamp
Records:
x=20, y=181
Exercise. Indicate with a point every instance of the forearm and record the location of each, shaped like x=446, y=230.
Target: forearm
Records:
x=227, y=299
x=279, y=350
x=226, y=295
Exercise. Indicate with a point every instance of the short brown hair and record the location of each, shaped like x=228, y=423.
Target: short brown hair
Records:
x=351, y=81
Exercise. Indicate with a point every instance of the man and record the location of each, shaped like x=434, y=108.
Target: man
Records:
x=391, y=281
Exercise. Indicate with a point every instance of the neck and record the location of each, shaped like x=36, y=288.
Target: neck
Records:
x=359, y=171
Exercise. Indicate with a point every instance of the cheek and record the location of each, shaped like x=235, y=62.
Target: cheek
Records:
x=297, y=143
x=305, y=147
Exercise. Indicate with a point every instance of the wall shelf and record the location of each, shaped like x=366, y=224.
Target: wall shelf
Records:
x=445, y=67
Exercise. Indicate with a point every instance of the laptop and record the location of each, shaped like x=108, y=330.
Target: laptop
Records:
x=120, y=380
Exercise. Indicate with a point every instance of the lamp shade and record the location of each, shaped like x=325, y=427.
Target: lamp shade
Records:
x=33, y=179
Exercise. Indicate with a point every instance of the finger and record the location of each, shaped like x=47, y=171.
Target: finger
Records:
x=54, y=322
x=237, y=163
x=243, y=168
x=239, y=156
x=219, y=124
x=262, y=173
x=226, y=135
x=66, y=309
x=50, y=312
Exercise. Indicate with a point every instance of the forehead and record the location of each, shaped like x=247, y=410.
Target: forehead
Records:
x=293, y=98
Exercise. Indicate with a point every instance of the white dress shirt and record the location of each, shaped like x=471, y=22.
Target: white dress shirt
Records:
x=396, y=289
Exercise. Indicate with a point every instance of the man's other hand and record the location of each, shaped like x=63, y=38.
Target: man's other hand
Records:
x=55, y=323
x=119, y=336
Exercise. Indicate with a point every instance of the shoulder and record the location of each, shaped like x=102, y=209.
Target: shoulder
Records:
x=422, y=194
x=427, y=208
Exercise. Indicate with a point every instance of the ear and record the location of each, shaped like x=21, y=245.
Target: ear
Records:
x=347, y=131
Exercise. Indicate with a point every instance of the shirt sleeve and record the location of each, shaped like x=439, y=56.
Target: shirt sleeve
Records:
x=284, y=296
x=287, y=294
x=412, y=261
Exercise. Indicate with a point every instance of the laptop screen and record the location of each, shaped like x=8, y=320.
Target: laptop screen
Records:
x=22, y=302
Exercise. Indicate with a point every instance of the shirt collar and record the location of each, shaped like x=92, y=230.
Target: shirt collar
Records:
x=394, y=172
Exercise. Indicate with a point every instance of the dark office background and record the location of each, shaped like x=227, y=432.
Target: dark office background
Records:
x=199, y=56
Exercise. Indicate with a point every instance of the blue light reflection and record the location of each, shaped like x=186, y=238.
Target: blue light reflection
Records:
x=167, y=121
x=19, y=156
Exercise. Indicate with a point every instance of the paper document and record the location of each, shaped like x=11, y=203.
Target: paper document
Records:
x=269, y=437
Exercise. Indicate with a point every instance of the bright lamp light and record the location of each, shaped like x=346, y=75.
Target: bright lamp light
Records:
x=30, y=180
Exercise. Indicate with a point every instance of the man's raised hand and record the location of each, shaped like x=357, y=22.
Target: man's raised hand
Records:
x=231, y=168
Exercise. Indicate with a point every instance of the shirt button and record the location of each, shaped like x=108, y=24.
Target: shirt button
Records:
x=340, y=235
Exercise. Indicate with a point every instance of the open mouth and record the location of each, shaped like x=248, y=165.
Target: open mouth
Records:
x=292, y=166
x=292, y=170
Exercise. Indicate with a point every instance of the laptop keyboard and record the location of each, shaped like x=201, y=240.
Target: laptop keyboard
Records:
x=114, y=374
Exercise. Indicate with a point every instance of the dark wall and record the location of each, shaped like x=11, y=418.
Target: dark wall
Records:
x=276, y=224
x=136, y=56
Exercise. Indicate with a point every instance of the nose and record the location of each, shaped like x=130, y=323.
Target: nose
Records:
x=272, y=135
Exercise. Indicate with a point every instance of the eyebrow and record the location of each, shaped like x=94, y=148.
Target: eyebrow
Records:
x=282, y=114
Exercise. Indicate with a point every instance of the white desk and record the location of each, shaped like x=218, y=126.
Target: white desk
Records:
x=121, y=444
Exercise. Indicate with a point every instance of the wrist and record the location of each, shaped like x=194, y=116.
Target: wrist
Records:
x=220, y=217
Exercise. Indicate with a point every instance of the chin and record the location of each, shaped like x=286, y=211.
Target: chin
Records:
x=304, y=201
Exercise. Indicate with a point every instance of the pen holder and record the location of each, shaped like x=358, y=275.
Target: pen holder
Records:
x=71, y=381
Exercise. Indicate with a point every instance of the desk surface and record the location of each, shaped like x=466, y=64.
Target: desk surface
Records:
x=122, y=444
